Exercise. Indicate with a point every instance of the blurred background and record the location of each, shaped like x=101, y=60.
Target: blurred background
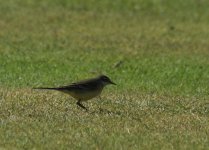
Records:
x=156, y=46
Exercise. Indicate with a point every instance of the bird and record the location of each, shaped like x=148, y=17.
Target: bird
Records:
x=83, y=90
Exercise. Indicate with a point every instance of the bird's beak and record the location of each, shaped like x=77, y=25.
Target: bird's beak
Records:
x=112, y=83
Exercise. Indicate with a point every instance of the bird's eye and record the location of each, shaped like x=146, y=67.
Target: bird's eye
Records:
x=104, y=78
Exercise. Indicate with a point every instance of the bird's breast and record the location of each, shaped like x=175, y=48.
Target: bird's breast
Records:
x=85, y=94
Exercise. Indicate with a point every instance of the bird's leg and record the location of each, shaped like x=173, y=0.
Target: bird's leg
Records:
x=80, y=105
x=100, y=98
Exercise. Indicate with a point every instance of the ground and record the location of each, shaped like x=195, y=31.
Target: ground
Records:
x=155, y=50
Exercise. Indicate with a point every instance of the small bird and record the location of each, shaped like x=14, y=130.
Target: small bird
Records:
x=84, y=90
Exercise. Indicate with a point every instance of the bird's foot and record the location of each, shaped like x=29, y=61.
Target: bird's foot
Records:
x=80, y=105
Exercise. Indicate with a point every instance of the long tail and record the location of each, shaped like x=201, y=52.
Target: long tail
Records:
x=46, y=88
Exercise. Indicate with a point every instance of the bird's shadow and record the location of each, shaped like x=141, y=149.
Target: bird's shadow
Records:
x=106, y=112
x=135, y=117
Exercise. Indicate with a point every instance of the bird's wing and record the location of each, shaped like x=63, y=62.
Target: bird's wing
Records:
x=82, y=85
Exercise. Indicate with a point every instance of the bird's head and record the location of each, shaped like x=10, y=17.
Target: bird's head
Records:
x=106, y=80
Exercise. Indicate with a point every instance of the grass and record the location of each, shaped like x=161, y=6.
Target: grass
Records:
x=160, y=102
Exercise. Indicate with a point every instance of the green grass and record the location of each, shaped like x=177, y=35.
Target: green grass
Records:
x=160, y=102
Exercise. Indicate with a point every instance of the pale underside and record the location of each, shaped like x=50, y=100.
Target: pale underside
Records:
x=84, y=95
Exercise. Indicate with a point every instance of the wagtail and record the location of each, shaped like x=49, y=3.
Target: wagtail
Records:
x=84, y=90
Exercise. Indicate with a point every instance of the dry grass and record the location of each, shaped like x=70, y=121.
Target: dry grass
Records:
x=37, y=119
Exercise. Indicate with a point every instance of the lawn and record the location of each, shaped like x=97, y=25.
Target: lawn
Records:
x=155, y=50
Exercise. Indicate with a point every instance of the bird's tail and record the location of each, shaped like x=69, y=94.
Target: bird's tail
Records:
x=45, y=88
